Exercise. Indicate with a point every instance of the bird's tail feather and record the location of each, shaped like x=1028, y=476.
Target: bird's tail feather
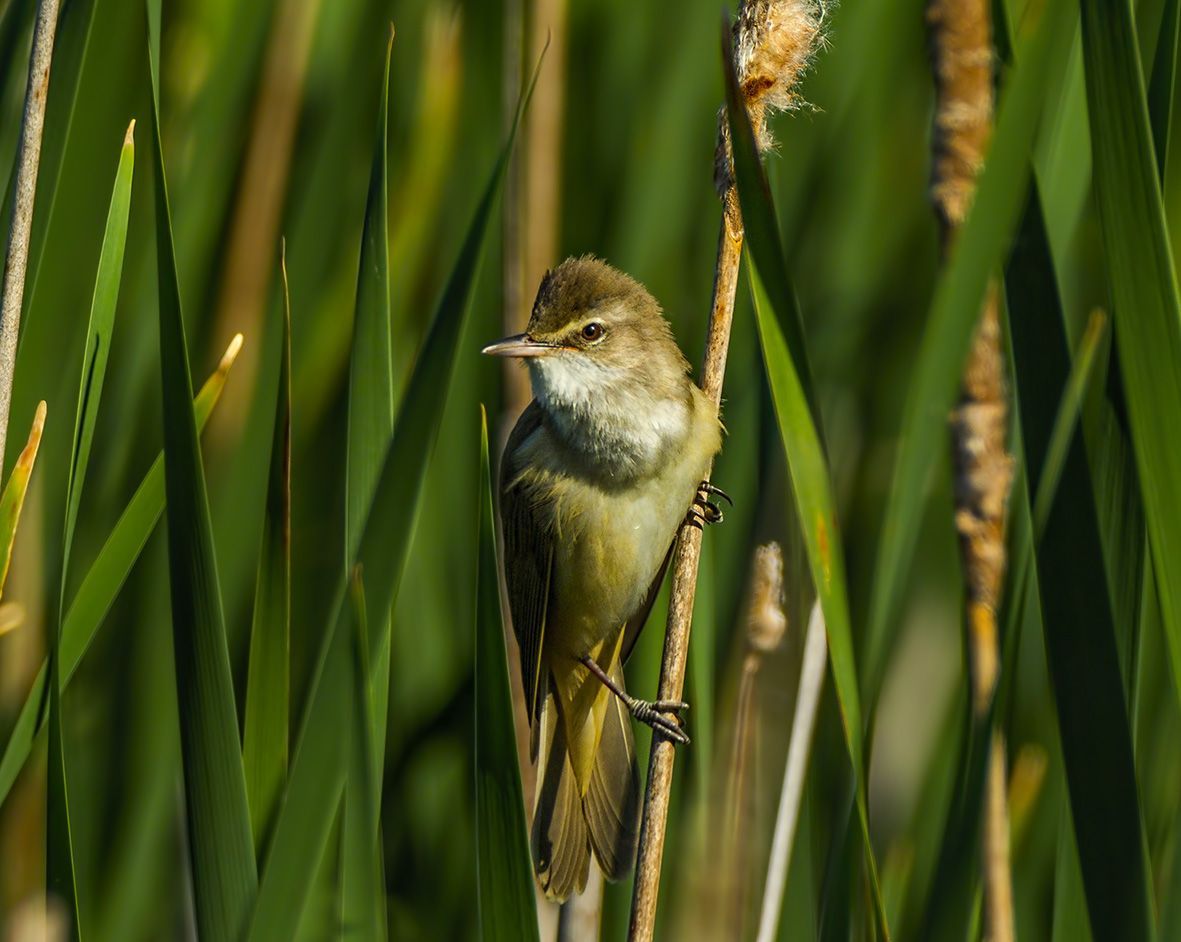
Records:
x=567, y=825
x=559, y=843
x=612, y=800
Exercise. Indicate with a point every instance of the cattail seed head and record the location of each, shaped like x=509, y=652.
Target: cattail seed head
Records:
x=766, y=622
x=774, y=43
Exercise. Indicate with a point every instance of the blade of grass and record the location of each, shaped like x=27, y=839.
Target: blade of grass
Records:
x=953, y=314
x=60, y=871
x=222, y=853
x=28, y=160
x=70, y=49
x=504, y=885
x=98, y=340
x=1161, y=84
x=362, y=892
x=102, y=584
x=371, y=392
x=1147, y=310
x=813, y=495
x=317, y=773
x=1070, y=901
x=13, y=498
x=1079, y=627
x=1066, y=420
x=111, y=568
x=268, y=694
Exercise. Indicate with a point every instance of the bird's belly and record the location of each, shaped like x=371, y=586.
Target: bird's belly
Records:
x=606, y=558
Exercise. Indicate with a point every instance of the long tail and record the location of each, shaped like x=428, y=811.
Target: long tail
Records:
x=567, y=826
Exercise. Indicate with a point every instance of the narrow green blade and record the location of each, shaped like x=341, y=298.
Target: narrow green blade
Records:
x=1066, y=419
x=504, y=888
x=1079, y=627
x=318, y=771
x=789, y=376
x=371, y=391
x=268, y=694
x=60, y=860
x=1070, y=902
x=1147, y=310
x=363, y=896
x=110, y=569
x=98, y=338
x=102, y=583
x=71, y=44
x=220, y=846
x=1161, y=85
x=13, y=498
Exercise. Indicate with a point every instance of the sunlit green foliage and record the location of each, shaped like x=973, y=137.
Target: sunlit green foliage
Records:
x=389, y=180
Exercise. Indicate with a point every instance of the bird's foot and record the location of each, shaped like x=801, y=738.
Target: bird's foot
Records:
x=655, y=713
x=703, y=510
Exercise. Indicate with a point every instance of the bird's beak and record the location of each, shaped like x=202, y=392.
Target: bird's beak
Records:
x=520, y=345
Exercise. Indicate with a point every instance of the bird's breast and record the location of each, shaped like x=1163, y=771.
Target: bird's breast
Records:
x=611, y=541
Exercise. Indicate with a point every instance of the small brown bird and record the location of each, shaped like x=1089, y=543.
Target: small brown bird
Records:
x=597, y=476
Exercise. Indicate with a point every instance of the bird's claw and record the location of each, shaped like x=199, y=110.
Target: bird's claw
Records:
x=653, y=713
x=707, y=488
x=703, y=510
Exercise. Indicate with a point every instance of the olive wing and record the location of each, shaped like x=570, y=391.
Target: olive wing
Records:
x=528, y=558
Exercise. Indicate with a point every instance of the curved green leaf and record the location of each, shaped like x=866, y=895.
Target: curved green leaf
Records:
x=371, y=393
x=102, y=584
x=504, y=885
x=268, y=694
x=1079, y=612
x=1147, y=309
x=217, y=811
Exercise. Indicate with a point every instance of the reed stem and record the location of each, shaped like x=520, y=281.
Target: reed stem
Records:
x=28, y=161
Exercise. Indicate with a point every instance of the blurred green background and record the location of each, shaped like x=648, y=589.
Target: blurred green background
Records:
x=267, y=121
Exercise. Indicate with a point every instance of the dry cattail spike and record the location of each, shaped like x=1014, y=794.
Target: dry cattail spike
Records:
x=983, y=473
x=766, y=621
x=960, y=35
x=775, y=42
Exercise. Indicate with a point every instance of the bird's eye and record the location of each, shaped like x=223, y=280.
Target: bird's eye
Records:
x=592, y=331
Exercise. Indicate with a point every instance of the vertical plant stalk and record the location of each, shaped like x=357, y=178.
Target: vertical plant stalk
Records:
x=766, y=625
x=961, y=54
x=802, y=727
x=775, y=41
x=266, y=168
x=16, y=260
x=684, y=588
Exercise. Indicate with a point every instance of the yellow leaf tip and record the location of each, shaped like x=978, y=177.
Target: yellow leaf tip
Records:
x=231, y=354
x=129, y=137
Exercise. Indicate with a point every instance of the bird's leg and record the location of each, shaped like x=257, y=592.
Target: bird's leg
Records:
x=649, y=712
x=703, y=510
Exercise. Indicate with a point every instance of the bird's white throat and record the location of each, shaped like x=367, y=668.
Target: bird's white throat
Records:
x=603, y=412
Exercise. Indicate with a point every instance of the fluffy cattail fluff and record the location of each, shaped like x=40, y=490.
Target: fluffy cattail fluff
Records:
x=774, y=43
x=766, y=622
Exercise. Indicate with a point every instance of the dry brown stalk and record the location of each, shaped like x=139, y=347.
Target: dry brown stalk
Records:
x=255, y=227
x=775, y=40
x=28, y=161
x=962, y=58
x=766, y=625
